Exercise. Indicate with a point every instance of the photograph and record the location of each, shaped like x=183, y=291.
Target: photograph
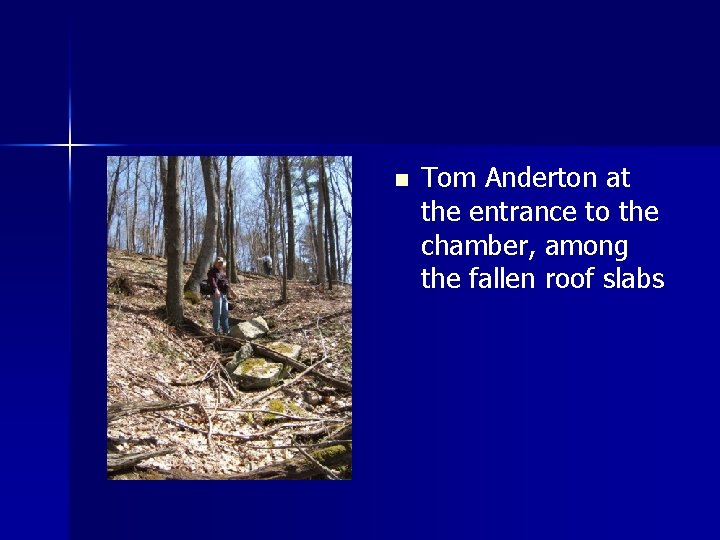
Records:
x=229, y=317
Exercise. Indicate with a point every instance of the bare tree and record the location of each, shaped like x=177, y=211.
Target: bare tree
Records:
x=332, y=266
x=163, y=180
x=266, y=170
x=112, y=196
x=135, y=205
x=205, y=257
x=347, y=166
x=336, y=247
x=184, y=176
x=173, y=242
x=310, y=210
x=191, y=174
x=338, y=197
x=127, y=207
x=290, y=219
x=283, y=289
x=320, y=240
x=153, y=210
x=220, y=229
x=230, y=223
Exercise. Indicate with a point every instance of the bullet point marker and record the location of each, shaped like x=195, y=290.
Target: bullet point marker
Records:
x=401, y=180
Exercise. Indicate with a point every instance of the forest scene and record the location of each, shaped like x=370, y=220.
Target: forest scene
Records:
x=229, y=317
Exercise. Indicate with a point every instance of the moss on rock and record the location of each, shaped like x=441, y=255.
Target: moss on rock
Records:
x=276, y=405
x=192, y=297
x=327, y=455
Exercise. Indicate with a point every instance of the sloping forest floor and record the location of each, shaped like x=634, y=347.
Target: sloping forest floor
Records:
x=173, y=412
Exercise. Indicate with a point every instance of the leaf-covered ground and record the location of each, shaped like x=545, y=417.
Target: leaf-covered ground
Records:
x=146, y=359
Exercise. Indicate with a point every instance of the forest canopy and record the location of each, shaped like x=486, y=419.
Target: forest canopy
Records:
x=270, y=199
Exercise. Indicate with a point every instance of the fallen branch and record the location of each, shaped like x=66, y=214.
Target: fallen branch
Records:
x=324, y=430
x=283, y=415
x=296, y=468
x=183, y=425
x=210, y=427
x=320, y=444
x=242, y=436
x=319, y=319
x=204, y=378
x=329, y=473
x=113, y=443
x=119, y=410
x=118, y=462
x=261, y=350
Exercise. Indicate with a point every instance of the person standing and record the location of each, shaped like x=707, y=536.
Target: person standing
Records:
x=218, y=281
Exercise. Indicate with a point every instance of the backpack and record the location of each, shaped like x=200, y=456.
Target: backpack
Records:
x=205, y=289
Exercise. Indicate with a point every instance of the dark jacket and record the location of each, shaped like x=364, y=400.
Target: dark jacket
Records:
x=217, y=279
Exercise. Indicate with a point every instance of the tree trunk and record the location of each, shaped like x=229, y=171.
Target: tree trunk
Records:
x=335, y=195
x=173, y=243
x=154, y=201
x=127, y=207
x=185, y=211
x=332, y=268
x=290, y=219
x=311, y=213
x=230, y=223
x=277, y=212
x=346, y=252
x=327, y=257
x=269, y=209
x=135, y=205
x=112, y=199
x=347, y=165
x=337, y=239
x=205, y=257
x=335, y=185
x=192, y=213
x=220, y=229
x=320, y=240
x=278, y=189
x=117, y=235
x=163, y=181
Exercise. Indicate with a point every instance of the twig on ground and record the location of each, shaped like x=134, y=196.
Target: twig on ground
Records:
x=245, y=437
x=210, y=426
x=118, y=462
x=204, y=378
x=283, y=415
x=328, y=472
x=315, y=445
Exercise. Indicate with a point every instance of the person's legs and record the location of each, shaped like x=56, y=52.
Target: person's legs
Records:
x=224, y=316
x=216, y=313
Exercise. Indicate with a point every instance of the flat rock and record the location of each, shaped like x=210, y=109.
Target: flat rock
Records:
x=257, y=373
x=243, y=353
x=254, y=328
x=287, y=349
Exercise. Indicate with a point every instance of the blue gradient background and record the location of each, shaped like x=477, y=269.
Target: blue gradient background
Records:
x=578, y=414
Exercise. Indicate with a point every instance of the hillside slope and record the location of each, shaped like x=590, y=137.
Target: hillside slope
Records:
x=211, y=427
